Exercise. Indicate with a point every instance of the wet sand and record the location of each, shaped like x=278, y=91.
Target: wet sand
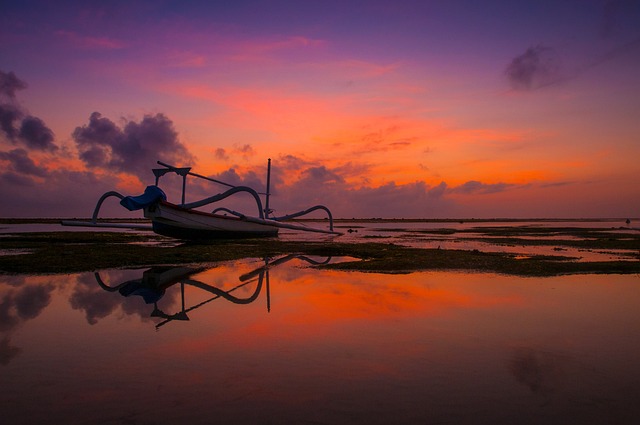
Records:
x=530, y=248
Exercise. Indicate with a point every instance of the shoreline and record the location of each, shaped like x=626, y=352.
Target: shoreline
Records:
x=53, y=220
x=69, y=252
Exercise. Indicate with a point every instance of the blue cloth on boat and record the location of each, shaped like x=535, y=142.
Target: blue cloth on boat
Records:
x=151, y=195
x=148, y=293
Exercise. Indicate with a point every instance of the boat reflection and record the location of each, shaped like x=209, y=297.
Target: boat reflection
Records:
x=153, y=285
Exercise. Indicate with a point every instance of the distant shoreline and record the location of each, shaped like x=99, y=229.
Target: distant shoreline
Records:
x=32, y=220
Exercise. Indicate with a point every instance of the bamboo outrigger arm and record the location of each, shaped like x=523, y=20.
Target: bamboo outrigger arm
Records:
x=94, y=218
x=221, y=196
x=305, y=212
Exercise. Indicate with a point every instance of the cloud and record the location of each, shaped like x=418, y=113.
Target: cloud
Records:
x=557, y=184
x=476, y=187
x=411, y=200
x=36, y=134
x=292, y=163
x=540, y=66
x=245, y=150
x=67, y=193
x=95, y=302
x=133, y=149
x=321, y=175
x=15, y=124
x=17, y=172
x=7, y=351
x=541, y=372
x=231, y=176
x=328, y=186
x=9, y=84
x=16, y=307
x=537, y=67
x=9, y=116
x=19, y=161
x=31, y=300
x=221, y=154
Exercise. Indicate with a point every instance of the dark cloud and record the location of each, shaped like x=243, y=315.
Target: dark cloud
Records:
x=10, y=83
x=36, y=135
x=7, y=351
x=15, y=124
x=133, y=149
x=220, y=153
x=321, y=175
x=231, y=176
x=10, y=178
x=95, y=302
x=438, y=191
x=18, y=160
x=543, y=373
x=9, y=118
x=357, y=170
x=328, y=186
x=476, y=187
x=245, y=150
x=31, y=300
x=8, y=319
x=16, y=307
x=415, y=199
x=537, y=67
x=18, y=171
x=291, y=163
x=66, y=194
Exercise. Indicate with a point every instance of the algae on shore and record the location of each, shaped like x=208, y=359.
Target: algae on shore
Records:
x=68, y=252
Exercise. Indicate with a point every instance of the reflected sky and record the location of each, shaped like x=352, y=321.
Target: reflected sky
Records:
x=316, y=346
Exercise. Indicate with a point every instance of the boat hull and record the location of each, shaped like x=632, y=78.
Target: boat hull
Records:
x=171, y=220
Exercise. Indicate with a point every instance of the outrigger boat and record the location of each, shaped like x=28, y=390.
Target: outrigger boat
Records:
x=183, y=221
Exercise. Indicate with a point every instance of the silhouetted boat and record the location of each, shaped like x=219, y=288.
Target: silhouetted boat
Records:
x=183, y=221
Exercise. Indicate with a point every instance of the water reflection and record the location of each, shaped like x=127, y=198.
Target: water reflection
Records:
x=155, y=282
x=540, y=372
x=19, y=304
x=335, y=347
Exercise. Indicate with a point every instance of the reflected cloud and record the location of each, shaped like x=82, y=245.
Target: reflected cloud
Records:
x=17, y=306
x=543, y=373
x=7, y=351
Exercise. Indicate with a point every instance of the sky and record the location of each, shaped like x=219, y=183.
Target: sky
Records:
x=392, y=109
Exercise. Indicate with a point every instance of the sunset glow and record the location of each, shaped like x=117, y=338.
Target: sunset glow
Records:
x=406, y=109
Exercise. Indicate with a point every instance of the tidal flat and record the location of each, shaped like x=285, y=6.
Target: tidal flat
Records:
x=384, y=246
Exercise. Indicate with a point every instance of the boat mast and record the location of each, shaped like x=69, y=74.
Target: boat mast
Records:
x=267, y=211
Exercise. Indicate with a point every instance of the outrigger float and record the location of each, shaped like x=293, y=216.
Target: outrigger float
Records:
x=183, y=221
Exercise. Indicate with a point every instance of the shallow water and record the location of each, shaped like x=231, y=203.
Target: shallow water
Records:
x=415, y=234
x=300, y=345
x=412, y=234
